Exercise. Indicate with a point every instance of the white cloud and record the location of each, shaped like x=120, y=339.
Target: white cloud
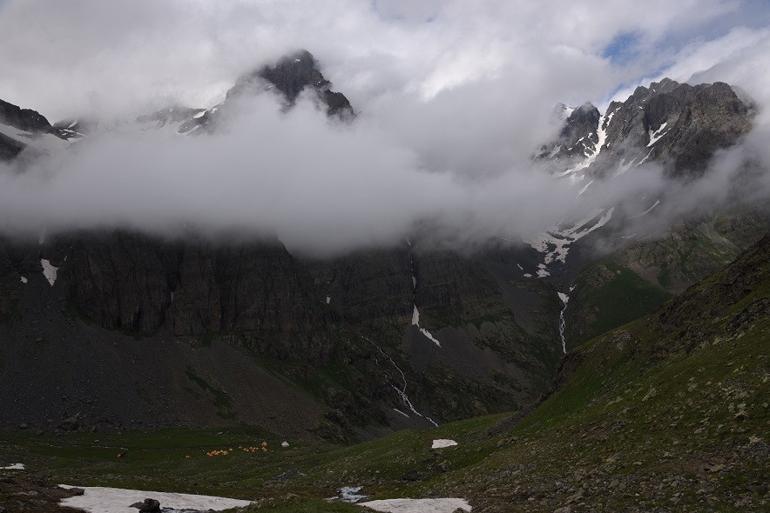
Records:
x=91, y=56
x=451, y=110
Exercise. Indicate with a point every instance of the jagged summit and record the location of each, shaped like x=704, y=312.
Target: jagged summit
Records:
x=578, y=134
x=291, y=75
x=679, y=126
x=580, y=129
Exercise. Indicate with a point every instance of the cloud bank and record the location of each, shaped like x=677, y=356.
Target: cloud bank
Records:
x=454, y=97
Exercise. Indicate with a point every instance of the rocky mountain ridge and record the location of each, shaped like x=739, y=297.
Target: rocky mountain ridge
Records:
x=674, y=127
x=679, y=126
x=25, y=128
x=289, y=77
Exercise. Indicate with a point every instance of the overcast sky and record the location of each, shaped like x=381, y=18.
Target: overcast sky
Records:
x=453, y=96
x=65, y=58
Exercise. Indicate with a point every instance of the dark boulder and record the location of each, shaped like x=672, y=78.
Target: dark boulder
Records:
x=148, y=506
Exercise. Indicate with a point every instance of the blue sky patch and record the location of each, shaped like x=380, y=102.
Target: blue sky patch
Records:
x=623, y=48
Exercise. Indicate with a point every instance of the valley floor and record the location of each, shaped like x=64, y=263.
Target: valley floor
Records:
x=690, y=435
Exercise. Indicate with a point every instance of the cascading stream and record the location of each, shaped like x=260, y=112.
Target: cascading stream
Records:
x=401, y=391
x=564, y=297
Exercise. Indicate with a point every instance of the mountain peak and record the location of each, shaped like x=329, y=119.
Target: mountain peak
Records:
x=291, y=75
x=665, y=85
x=678, y=125
x=293, y=72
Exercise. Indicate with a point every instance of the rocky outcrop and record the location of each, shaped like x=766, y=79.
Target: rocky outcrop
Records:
x=20, y=128
x=24, y=119
x=140, y=285
x=9, y=147
x=723, y=293
x=578, y=136
x=147, y=506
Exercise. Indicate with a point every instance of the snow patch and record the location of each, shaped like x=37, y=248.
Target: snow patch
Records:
x=49, y=271
x=98, y=499
x=14, y=466
x=443, y=443
x=426, y=333
x=415, y=316
x=657, y=134
x=446, y=505
x=591, y=154
x=23, y=279
x=351, y=494
x=555, y=245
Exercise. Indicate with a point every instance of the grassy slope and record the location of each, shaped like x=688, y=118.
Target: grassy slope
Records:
x=671, y=410
x=638, y=279
x=608, y=295
x=668, y=413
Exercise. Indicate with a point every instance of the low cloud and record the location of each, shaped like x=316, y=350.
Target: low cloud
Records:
x=450, y=116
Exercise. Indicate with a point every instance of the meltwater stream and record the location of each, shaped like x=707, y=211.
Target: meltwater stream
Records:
x=564, y=297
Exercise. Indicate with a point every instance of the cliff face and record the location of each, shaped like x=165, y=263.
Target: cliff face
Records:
x=340, y=334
